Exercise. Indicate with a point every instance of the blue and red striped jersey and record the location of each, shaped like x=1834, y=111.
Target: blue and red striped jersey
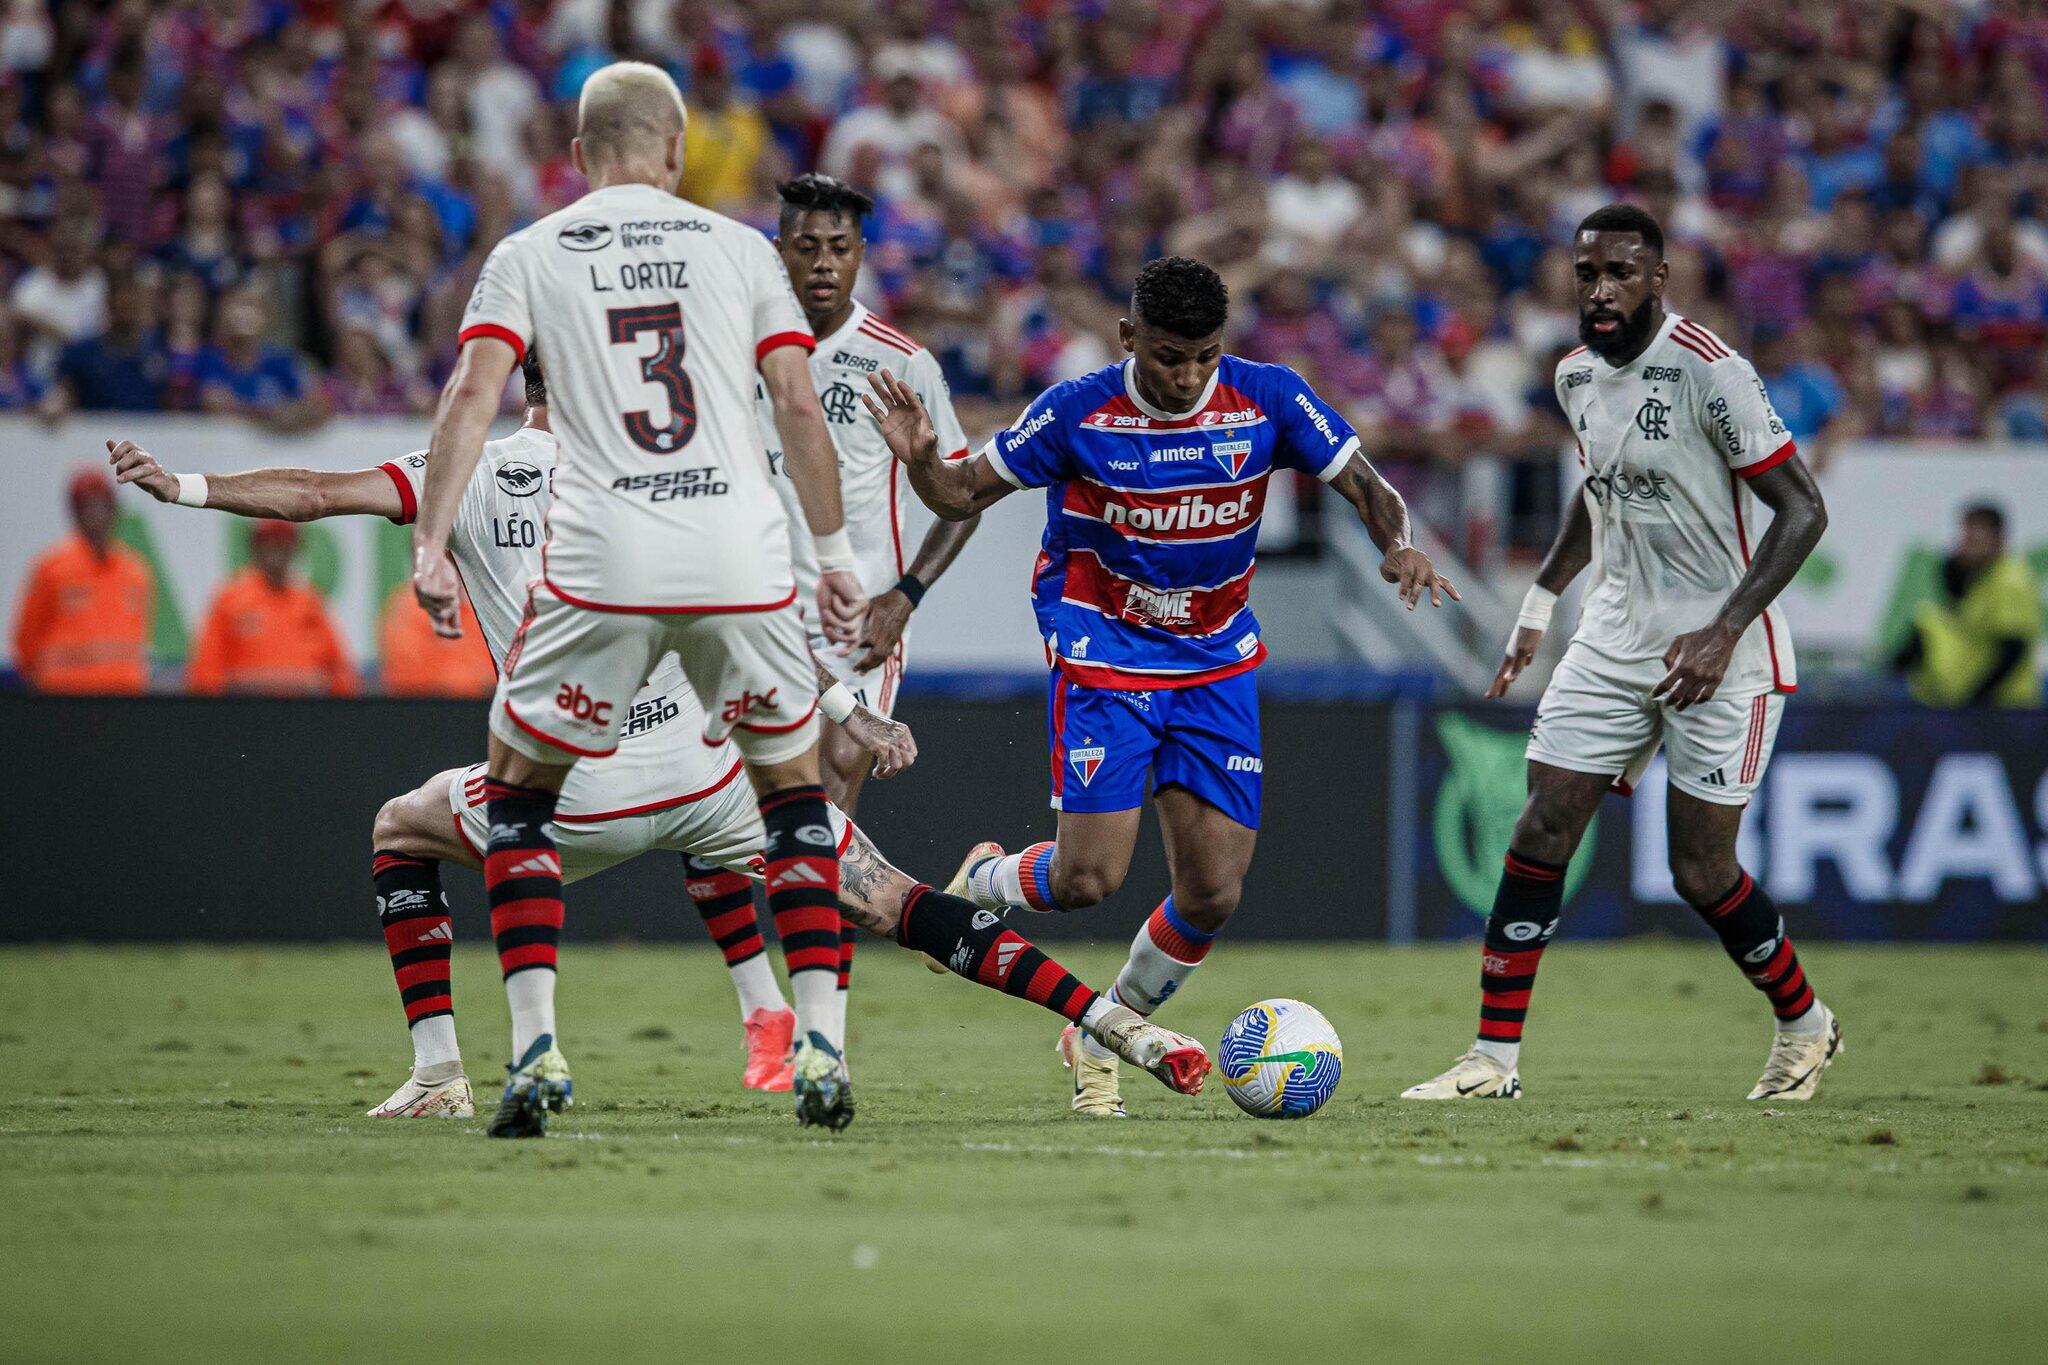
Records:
x=1151, y=518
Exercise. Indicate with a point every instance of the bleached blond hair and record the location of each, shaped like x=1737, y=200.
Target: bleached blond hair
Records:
x=627, y=109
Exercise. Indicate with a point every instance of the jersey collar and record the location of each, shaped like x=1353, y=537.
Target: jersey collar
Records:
x=1160, y=414
x=853, y=321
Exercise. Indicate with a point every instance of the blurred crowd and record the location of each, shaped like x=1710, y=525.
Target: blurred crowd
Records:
x=277, y=209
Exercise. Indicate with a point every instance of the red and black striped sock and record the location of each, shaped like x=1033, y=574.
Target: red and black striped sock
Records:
x=417, y=932
x=1525, y=911
x=802, y=873
x=976, y=944
x=523, y=877
x=846, y=937
x=1753, y=933
x=726, y=901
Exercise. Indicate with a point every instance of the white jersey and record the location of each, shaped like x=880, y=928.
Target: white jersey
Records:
x=496, y=539
x=1666, y=442
x=651, y=314
x=872, y=485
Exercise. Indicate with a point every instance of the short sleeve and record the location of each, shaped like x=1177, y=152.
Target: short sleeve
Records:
x=778, y=318
x=1035, y=450
x=1738, y=420
x=929, y=383
x=500, y=305
x=408, y=474
x=1314, y=437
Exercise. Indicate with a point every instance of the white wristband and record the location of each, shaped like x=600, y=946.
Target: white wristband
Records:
x=837, y=703
x=191, y=490
x=835, y=552
x=1536, y=608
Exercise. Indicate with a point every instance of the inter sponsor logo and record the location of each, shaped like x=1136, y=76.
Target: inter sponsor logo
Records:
x=1176, y=454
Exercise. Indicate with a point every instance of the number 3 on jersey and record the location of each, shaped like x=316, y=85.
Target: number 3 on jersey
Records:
x=663, y=367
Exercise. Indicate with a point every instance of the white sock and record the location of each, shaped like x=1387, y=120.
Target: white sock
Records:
x=1088, y=1041
x=755, y=981
x=1508, y=1055
x=433, y=1042
x=814, y=992
x=1091, y=1018
x=531, y=994
x=998, y=883
x=1813, y=1021
x=838, y=1034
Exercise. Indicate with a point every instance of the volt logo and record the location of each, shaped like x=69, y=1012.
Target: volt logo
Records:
x=1086, y=761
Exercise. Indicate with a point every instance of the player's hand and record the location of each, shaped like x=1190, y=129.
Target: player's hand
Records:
x=890, y=741
x=133, y=464
x=905, y=425
x=887, y=616
x=841, y=603
x=1521, y=650
x=1698, y=660
x=1411, y=569
x=439, y=590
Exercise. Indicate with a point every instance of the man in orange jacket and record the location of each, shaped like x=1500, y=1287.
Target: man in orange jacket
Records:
x=419, y=663
x=84, y=620
x=268, y=634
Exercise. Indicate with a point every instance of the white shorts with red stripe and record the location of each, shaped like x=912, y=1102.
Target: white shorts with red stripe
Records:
x=594, y=830
x=1597, y=716
x=875, y=689
x=572, y=673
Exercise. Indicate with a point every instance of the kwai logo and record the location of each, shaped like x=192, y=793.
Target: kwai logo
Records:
x=1476, y=808
x=1086, y=761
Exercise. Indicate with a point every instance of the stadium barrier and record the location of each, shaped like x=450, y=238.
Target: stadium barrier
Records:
x=168, y=818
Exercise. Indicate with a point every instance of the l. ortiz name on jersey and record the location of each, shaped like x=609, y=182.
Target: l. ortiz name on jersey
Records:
x=1152, y=517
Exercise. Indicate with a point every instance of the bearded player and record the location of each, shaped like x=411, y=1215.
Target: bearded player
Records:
x=1680, y=642
x=1155, y=473
x=664, y=789
x=821, y=244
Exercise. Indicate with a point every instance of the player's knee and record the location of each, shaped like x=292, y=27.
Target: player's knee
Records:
x=1545, y=831
x=1701, y=880
x=387, y=831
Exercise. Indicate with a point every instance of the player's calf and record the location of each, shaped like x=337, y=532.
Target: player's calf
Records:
x=1752, y=932
x=420, y=937
x=523, y=880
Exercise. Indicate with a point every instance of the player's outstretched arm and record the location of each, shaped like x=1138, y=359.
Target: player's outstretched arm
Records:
x=1569, y=554
x=813, y=465
x=460, y=423
x=1698, y=660
x=286, y=494
x=954, y=489
x=1386, y=520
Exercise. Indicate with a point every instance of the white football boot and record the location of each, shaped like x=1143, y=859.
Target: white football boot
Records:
x=1474, y=1076
x=1793, y=1070
x=444, y=1099
x=1180, y=1062
x=1095, y=1081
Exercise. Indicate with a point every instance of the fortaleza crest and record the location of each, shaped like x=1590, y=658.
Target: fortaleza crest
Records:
x=1476, y=806
x=1086, y=761
x=1233, y=455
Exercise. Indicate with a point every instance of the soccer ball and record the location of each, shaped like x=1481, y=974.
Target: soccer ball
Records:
x=1280, y=1059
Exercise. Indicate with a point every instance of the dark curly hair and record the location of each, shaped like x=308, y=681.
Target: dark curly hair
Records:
x=536, y=382
x=814, y=193
x=1626, y=218
x=1181, y=296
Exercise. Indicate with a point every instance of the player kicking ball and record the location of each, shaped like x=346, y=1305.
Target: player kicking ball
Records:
x=1680, y=642
x=1155, y=473
x=664, y=789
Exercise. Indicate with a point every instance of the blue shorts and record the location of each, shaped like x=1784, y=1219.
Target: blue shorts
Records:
x=1204, y=738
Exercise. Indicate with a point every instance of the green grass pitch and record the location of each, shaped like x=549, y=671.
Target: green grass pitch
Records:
x=186, y=1172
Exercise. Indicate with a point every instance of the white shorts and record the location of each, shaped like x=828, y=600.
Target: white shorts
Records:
x=571, y=675
x=1597, y=716
x=593, y=833
x=875, y=689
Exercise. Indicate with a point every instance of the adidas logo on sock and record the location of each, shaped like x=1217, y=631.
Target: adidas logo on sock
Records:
x=540, y=864
x=798, y=873
x=439, y=933
x=1006, y=958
